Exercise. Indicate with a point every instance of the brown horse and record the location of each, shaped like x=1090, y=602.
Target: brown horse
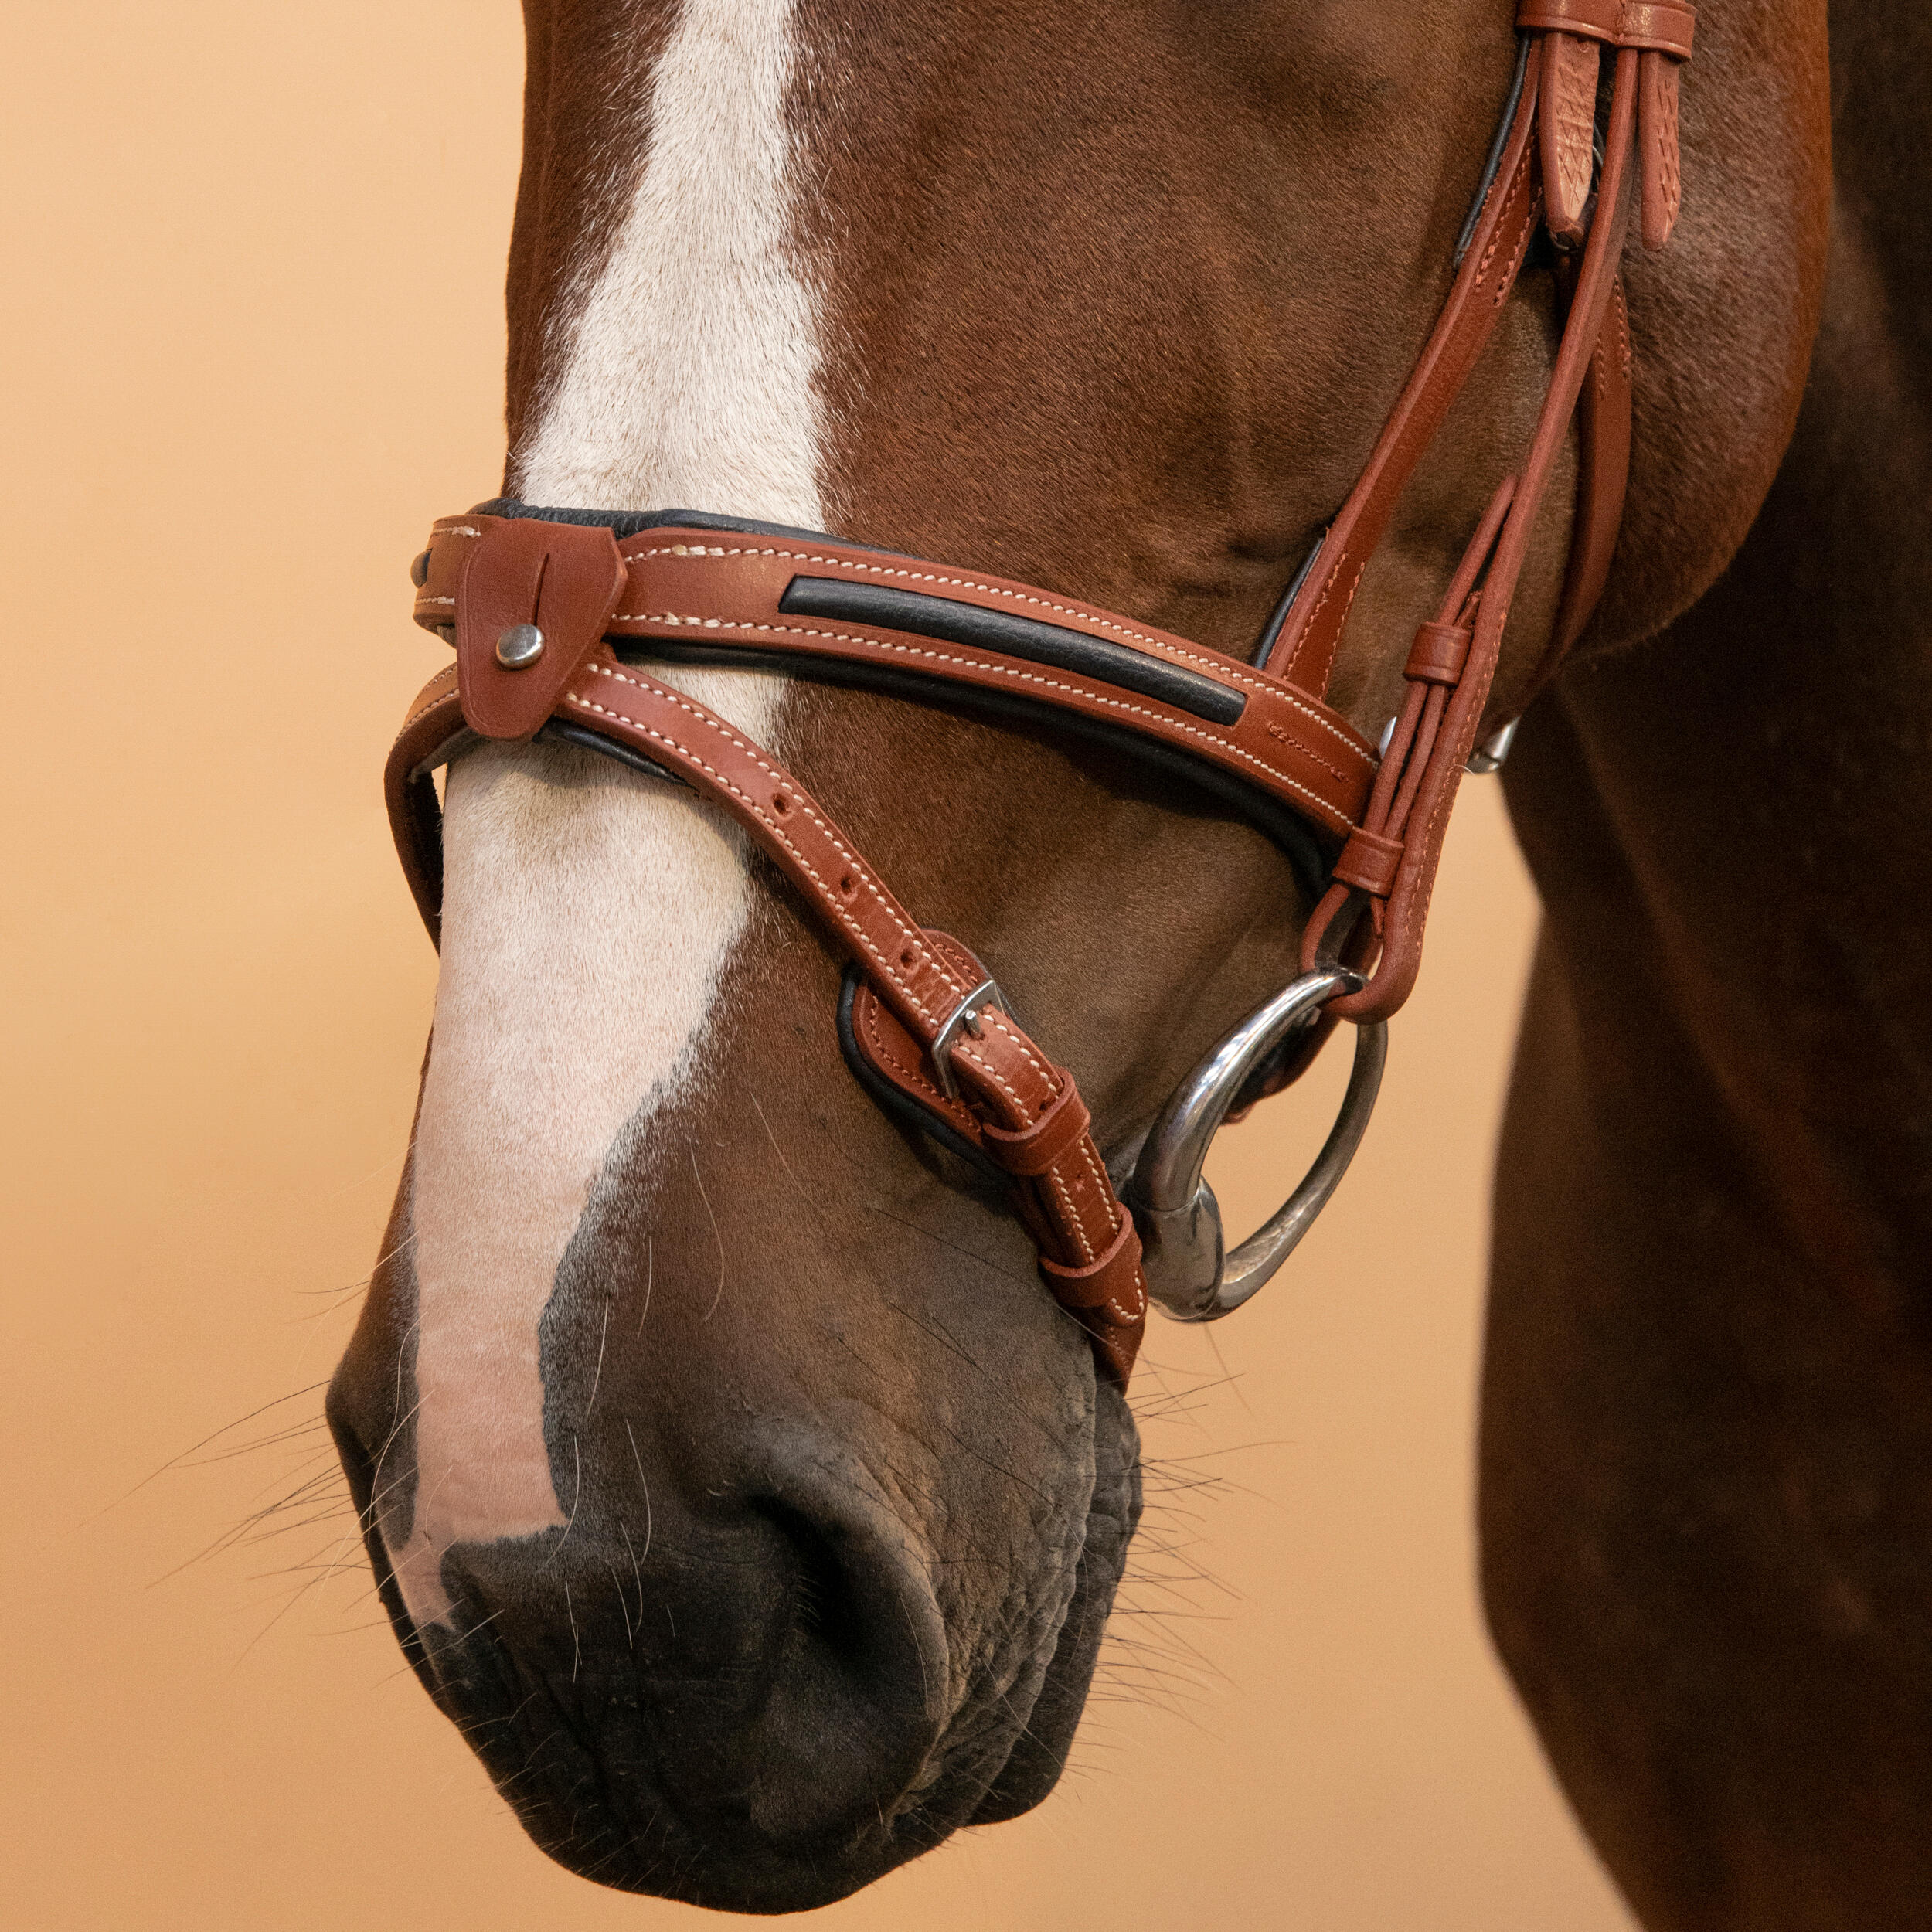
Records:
x=727, y=1474
x=1707, y=1442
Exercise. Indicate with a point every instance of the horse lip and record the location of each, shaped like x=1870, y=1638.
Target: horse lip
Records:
x=948, y=1788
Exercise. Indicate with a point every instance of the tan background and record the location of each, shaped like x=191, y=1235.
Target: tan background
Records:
x=252, y=316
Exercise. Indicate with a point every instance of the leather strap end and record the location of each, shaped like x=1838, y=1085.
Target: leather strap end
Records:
x=1661, y=193
x=1571, y=65
x=1107, y=1298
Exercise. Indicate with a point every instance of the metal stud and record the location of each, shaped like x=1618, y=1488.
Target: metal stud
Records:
x=1488, y=756
x=519, y=646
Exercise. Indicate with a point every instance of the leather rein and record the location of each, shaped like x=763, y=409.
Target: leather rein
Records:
x=549, y=609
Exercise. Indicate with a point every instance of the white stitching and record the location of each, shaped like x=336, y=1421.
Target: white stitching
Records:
x=1213, y=666
x=1074, y=1222
x=1336, y=819
x=1103, y=1186
x=991, y=1073
x=1047, y=1074
x=916, y=1074
x=860, y=870
x=1073, y=1217
x=441, y=698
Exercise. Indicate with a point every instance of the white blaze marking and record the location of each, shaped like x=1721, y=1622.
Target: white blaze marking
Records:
x=590, y=912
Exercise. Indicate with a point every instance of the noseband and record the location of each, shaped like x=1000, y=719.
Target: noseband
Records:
x=553, y=611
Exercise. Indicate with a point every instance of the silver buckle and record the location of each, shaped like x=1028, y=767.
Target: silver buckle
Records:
x=965, y=1019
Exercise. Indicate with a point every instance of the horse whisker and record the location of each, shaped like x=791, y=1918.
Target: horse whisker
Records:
x=717, y=1234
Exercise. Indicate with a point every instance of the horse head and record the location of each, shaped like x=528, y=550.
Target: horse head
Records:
x=728, y=1476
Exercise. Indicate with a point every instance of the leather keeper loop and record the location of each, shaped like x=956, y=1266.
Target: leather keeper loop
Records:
x=1440, y=651
x=1032, y=1150
x=1664, y=26
x=1369, y=863
x=1108, y=1290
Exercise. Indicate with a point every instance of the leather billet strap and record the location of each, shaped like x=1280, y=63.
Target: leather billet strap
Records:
x=1025, y=1111
x=753, y=597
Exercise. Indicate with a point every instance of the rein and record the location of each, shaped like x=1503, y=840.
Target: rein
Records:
x=549, y=610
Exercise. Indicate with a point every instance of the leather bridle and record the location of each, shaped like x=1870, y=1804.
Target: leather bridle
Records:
x=552, y=610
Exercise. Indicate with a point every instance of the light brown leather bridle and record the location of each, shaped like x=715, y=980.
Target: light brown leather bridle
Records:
x=548, y=610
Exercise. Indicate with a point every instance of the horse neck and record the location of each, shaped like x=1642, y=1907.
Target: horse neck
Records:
x=1729, y=824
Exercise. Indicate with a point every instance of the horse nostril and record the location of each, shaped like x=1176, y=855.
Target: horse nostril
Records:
x=855, y=1650
x=822, y=1603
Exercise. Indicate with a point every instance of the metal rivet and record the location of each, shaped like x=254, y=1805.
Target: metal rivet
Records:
x=519, y=646
x=1488, y=755
x=419, y=570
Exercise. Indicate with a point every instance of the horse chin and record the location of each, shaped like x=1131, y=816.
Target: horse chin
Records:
x=551, y=1731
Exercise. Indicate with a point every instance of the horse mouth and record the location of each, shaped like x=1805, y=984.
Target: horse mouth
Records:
x=577, y=1757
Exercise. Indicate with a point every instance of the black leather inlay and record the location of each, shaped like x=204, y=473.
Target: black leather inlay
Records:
x=1309, y=850
x=953, y=622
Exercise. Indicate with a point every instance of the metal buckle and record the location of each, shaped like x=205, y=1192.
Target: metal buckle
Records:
x=1189, y=1275
x=965, y=1019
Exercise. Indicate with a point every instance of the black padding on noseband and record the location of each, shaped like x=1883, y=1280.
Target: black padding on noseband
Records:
x=1296, y=838
x=624, y=523
x=1283, y=827
x=894, y=1101
x=1027, y=638
x=586, y=739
